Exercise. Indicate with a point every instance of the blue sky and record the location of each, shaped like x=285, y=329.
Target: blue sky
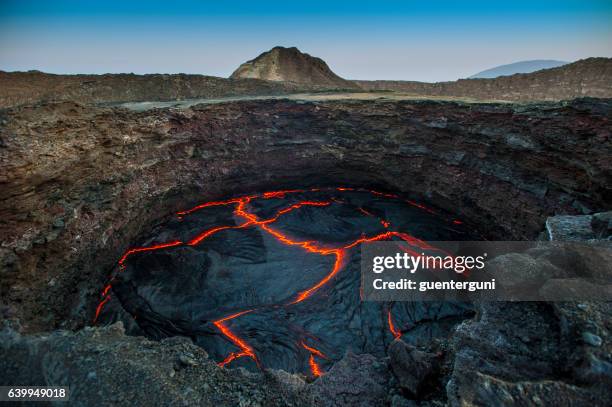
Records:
x=411, y=40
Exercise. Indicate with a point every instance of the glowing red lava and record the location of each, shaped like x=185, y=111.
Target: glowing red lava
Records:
x=148, y=248
x=394, y=331
x=100, y=306
x=212, y=203
x=214, y=230
x=245, y=349
x=420, y=206
x=314, y=351
x=251, y=220
x=314, y=367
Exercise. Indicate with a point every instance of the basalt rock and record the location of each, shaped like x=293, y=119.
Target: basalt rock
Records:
x=356, y=380
x=412, y=367
x=537, y=353
x=531, y=353
x=572, y=228
x=601, y=223
x=104, y=367
x=568, y=228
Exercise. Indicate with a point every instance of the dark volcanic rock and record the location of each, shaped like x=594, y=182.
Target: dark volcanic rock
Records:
x=481, y=390
x=412, y=367
x=569, y=228
x=103, y=367
x=531, y=353
x=601, y=223
x=572, y=288
x=562, y=270
x=356, y=380
x=511, y=341
x=515, y=269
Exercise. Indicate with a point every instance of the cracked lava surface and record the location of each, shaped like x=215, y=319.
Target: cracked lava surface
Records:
x=273, y=279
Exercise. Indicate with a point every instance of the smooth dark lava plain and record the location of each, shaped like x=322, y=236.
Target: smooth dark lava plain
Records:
x=273, y=279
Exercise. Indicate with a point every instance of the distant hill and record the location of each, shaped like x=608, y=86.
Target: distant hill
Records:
x=587, y=77
x=282, y=64
x=519, y=67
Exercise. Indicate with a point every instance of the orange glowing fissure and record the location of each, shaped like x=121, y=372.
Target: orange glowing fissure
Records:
x=250, y=220
x=394, y=331
x=314, y=366
x=314, y=351
x=245, y=349
x=105, y=299
x=148, y=249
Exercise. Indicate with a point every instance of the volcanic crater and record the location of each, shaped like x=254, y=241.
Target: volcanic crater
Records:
x=501, y=169
x=238, y=224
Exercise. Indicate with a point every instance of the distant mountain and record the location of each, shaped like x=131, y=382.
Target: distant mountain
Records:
x=519, y=67
x=282, y=64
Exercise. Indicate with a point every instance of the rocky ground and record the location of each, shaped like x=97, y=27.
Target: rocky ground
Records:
x=79, y=183
x=520, y=354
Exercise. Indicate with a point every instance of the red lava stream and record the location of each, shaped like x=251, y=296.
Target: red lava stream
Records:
x=251, y=220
